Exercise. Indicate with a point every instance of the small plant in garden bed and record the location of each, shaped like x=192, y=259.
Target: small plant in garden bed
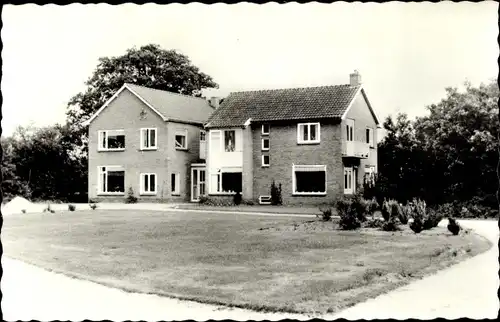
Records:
x=392, y=211
x=349, y=220
x=130, y=196
x=93, y=206
x=326, y=212
x=276, y=197
x=49, y=209
x=372, y=206
x=71, y=207
x=373, y=223
x=453, y=226
x=360, y=205
x=23, y=211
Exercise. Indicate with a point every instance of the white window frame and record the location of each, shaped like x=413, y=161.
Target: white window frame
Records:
x=143, y=190
x=177, y=186
x=268, y=144
x=350, y=134
x=224, y=140
x=371, y=142
x=181, y=133
x=294, y=183
x=147, y=130
x=99, y=180
x=100, y=134
x=268, y=129
x=265, y=165
x=300, y=127
x=349, y=190
x=217, y=176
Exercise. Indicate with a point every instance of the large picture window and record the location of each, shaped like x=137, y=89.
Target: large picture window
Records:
x=112, y=140
x=111, y=180
x=309, y=179
x=226, y=182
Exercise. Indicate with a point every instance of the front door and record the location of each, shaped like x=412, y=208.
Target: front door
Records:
x=197, y=183
x=349, y=180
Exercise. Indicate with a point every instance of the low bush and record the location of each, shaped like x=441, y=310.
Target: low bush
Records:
x=360, y=206
x=249, y=202
x=373, y=223
x=419, y=215
x=93, y=206
x=216, y=201
x=326, y=212
x=391, y=213
x=237, y=198
x=276, y=197
x=432, y=220
x=130, y=196
x=453, y=226
x=71, y=207
x=349, y=220
x=23, y=211
x=372, y=206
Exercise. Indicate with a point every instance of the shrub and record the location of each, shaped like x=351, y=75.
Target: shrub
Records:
x=372, y=206
x=276, y=198
x=453, y=226
x=249, y=202
x=349, y=220
x=385, y=210
x=374, y=223
x=406, y=213
x=432, y=219
x=326, y=212
x=237, y=198
x=391, y=214
x=130, y=196
x=71, y=207
x=93, y=206
x=23, y=211
x=360, y=206
x=203, y=200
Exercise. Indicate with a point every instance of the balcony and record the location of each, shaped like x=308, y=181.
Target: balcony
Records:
x=355, y=149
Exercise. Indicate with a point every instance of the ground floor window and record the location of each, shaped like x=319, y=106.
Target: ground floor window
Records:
x=111, y=179
x=148, y=183
x=369, y=177
x=175, y=184
x=226, y=181
x=309, y=179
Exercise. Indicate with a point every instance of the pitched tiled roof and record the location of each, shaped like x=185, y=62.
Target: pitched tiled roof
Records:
x=174, y=106
x=283, y=104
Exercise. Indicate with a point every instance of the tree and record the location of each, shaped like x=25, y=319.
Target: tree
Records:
x=149, y=66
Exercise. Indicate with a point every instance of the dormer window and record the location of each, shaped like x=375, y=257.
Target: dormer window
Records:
x=308, y=133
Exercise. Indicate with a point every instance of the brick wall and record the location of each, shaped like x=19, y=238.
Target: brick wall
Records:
x=285, y=151
x=124, y=113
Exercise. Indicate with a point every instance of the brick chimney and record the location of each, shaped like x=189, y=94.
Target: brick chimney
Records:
x=214, y=102
x=355, y=78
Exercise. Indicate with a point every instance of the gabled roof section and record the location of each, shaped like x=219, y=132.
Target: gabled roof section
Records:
x=284, y=104
x=362, y=90
x=168, y=105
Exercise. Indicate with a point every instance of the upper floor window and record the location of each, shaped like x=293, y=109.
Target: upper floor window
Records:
x=229, y=140
x=369, y=136
x=149, y=139
x=308, y=133
x=203, y=136
x=111, y=140
x=265, y=129
x=181, y=140
x=349, y=126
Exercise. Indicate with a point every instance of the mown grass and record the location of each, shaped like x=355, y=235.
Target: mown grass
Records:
x=232, y=259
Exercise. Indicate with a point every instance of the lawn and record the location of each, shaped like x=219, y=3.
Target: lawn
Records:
x=258, y=262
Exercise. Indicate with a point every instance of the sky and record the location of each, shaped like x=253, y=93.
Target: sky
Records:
x=406, y=53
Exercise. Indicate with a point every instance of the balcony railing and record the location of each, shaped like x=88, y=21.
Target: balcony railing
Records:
x=355, y=149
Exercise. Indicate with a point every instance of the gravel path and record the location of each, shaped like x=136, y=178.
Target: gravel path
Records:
x=468, y=289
